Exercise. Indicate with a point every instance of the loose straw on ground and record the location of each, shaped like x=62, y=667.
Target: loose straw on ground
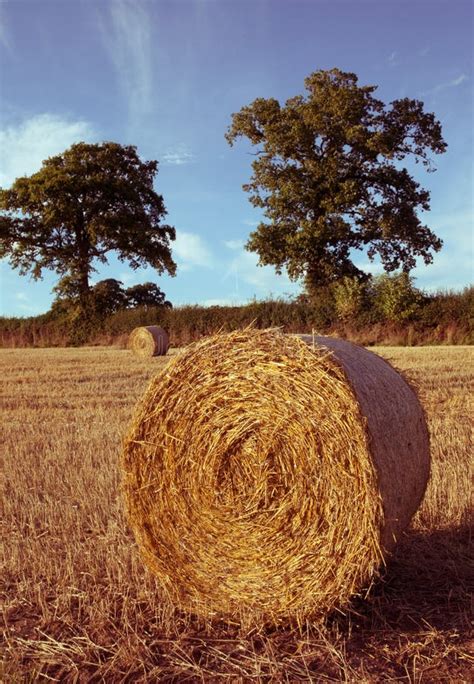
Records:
x=148, y=341
x=267, y=478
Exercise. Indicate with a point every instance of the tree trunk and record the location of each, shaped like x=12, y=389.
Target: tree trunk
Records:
x=83, y=264
x=84, y=290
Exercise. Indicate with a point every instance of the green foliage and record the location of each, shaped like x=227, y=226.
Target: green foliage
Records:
x=146, y=294
x=106, y=298
x=81, y=205
x=67, y=289
x=350, y=298
x=442, y=306
x=396, y=298
x=442, y=318
x=321, y=304
x=328, y=178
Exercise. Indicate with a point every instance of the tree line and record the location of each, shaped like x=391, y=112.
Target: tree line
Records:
x=328, y=175
x=390, y=311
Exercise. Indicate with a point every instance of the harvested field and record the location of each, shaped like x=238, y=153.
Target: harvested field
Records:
x=78, y=604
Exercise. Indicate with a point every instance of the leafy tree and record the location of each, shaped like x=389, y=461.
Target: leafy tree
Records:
x=147, y=294
x=81, y=205
x=320, y=302
x=108, y=296
x=396, y=297
x=328, y=177
x=67, y=289
x=66, y=301
x=350, y=296
x=105, y=297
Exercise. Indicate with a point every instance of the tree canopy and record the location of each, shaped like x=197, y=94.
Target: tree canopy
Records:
x=81, y=205
x=107, y=297
x=146, y=294
x=328, y=177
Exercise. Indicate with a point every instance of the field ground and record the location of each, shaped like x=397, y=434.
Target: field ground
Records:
x=78, y=605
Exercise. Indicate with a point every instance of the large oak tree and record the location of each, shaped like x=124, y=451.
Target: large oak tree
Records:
x=328, y=175
x=83, y=204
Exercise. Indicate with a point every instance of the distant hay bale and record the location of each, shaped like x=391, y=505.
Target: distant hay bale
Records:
x=149, y=341
x=266, y=478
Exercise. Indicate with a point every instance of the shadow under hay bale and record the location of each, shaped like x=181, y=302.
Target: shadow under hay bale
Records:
x=148, y=341
x=268, y=478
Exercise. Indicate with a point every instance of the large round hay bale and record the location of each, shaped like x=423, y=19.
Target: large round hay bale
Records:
x=268, y=478
x=149, y=341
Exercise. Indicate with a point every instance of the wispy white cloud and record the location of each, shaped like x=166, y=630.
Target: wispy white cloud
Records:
x=457, y=81
x=222, y=301
x=178, y=156
x=4, y=33
x=136, y=276
x=455, y=226
x=453, y=83
x=129, y=46
x=441, y=274
x=244, y=269
x=452, y=267
x=190, y=250
x=393, y=59
x=25, y=305
x=26, y=144
x=250, y=223
x=234, y=244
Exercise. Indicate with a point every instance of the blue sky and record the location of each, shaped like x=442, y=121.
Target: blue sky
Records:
x=166, y=75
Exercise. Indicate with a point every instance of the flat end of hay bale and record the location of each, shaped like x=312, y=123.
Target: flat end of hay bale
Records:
x=397, y=430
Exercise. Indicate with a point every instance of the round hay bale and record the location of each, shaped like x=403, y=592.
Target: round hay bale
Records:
x=267, y=478
x=149, y=341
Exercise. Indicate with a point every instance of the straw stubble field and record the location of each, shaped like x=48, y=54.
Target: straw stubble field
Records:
x=78, y=605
